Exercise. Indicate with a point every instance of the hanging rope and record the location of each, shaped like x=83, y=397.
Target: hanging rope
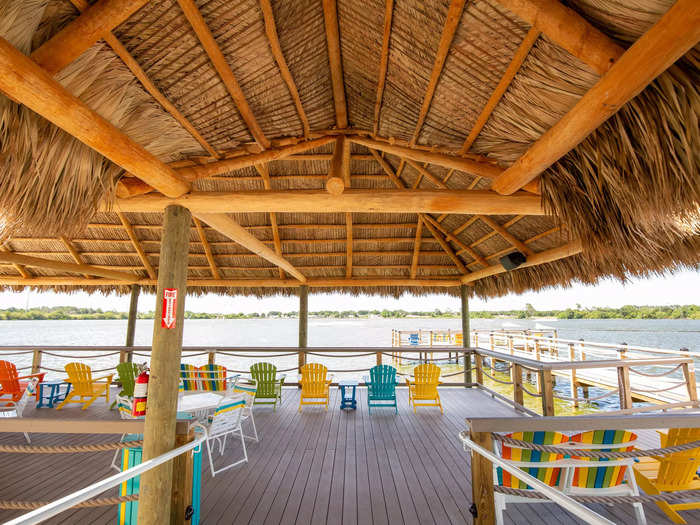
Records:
x=564, y=451
x=676, y=385
x=69, y=356
x=228, y=354
x=673, y=497
x=645, y=374
x=497, y=380
x=530, y=393
x=590, y=399
x=68, y=449
x=17, y=353
x=335, y=355
x=97, y=502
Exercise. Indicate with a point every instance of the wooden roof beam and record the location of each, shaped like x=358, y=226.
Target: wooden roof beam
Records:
x=446, y=247
x=339, y=170
x=330, y=17
x=73, y=252
x=51, y=264
x=137, y=246
x=416, y=247
x=218, y=60
x=264, y=172
x=383, y=62
x=207, y=248
x=451, y=237
x=454, y=15
x=26, y=274
x=348, y=245
x=70, y=42
x=668, y=40
x=27, y=83
x=509, y=237
x=234, y=231
x=554, y=254
x=276, y=48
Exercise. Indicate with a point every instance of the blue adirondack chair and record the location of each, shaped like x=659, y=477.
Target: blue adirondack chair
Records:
x=381, y=387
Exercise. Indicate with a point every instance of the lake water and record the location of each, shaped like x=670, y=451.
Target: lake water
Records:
x=359, y=333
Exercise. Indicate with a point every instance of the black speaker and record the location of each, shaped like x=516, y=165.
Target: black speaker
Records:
x=512, y=260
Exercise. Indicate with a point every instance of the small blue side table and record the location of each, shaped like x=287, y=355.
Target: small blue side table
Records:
x=52, y=392
x=348, y=389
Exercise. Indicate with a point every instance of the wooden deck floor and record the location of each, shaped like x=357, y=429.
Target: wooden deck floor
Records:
x=314, y=467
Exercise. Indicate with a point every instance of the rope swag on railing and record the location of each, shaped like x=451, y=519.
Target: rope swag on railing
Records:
x=588, y=400
x=68, y=356
x=655, y=390
x=533, y=394
x=675, y=497
x=16, y=353
x=495, y=379
x=68, y=449
x=564, y=451
x=347, y=355
x=228, y=354
x=97, y=502
x=645, y=374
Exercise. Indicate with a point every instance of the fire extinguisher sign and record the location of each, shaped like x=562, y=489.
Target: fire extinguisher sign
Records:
x=169, y=315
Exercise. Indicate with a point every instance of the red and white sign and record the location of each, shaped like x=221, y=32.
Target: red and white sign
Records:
x=169, y=315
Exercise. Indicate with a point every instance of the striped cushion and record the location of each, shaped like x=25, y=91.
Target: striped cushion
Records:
x=212, y=378
x=229, y=407
x=602, y=477
x=547, y=475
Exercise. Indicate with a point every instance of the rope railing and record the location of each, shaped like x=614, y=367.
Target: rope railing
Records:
x=496, y=379
x=589, y=399
x=658, y=390
x=3, y=354
x=68, y=356
x=97, y=502
x=645, y=374
x=533, y=394
x=67, y=449
x=669, y=497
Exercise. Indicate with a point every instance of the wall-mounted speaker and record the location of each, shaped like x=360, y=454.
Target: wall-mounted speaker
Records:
x=512, y=260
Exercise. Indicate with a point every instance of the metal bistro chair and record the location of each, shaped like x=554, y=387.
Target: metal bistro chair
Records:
x=226, y=421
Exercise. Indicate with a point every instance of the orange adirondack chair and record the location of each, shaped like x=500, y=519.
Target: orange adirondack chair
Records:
x=11, y=386
x=423, y=391
x=314, y=385
x=85, y=389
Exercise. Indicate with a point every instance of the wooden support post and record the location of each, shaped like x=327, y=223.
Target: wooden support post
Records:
x=623, y=383
x=517, y=375
x=547, y=391
x=572, y=377
x=212, y=358
x=161, y=408
x=464, y=296
x=36, y=362
x=303, y=323
x=538, y=354
x=126, y=356
x=379, y=358
x=183, y=469
x=479, y=368
x=689, y=374
x=482, y=480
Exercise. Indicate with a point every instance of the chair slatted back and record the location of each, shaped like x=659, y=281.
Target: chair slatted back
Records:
x=80, y=377
x=427, y=378
x=678, y=470
x=212, y=378
x=9, y=381
x=188, y=377
x=313, y=379
x=265, y=375
x=383, y=382
x=548, y=475
x=602, y=477
x=248, y=389
x=128, y=372
x=227, y=415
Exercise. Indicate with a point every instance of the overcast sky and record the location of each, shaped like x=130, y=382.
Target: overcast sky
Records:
x=681, y=288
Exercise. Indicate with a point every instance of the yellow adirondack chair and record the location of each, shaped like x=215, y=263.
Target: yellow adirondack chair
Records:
x=423, y=391
x=314, y=385
x=85, y=389
x=673, y=472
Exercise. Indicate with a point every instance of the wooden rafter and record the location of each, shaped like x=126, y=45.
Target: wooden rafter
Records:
x=234, y=231
x=73, y=252
x=26, y=274
x=465, y=202
x=668, y=40
x=218, y=60
x=130, y=62
x=27, y=83
x=423, y=172
x=416, y=247
x=383, y=62
x=265, y=175
x=510, y=72
x=207, y=248
x=276, y=48
x=348, y=245
x=452, y=237
x=445, y=246
x=454, y=15
x=137, y=245
x=70, y=42
x=490, y=234
x=51, y=264
x=334, y=226
x=330, y=17
x=339, y=169
x=509, y=237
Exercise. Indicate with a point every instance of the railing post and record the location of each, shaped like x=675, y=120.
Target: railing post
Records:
x=479, y=370
x=517, y=375
x=547, y=391
x=36, y=362
x=379, y=358
x=212, y=357
x=689, y=374
x=574, y=386
x=537, y=350
x=303, y=324
x=482, y=480
x=510, y=345
x=623, y=383
x=126, y=356
x=183, y=466
x=466, y=339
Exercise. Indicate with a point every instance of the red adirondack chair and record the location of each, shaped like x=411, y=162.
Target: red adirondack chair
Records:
x=11, y=386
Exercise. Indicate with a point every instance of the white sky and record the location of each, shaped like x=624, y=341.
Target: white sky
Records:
x=680, y=288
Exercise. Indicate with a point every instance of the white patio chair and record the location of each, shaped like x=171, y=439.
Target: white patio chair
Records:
x=248, y=387
x=226, y=420
x=14, y=409
x=124, y=407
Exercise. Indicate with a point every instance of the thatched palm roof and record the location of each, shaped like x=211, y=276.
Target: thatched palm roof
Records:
x=197, y=83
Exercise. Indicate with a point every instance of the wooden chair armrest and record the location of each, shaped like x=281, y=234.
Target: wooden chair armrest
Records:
x=40, y=375
x=108, y=378
x=281, y=379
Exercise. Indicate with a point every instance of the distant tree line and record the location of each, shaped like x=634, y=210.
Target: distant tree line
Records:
x=691, y=311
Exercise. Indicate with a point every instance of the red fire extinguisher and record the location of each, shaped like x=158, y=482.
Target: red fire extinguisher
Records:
x=140, y=393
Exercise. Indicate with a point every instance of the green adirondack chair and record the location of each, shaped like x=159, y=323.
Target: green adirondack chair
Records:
x=269, y=386
x=128, y=372
x=381, y=387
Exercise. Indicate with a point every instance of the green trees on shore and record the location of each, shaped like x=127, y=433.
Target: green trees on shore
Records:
x=691, y=311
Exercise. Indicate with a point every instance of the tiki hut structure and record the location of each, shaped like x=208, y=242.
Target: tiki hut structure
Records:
x=262, y=147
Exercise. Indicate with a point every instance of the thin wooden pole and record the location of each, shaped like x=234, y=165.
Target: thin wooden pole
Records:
x=126, y=356
x=689, y=374
x=482, y=481
x=36, y=362
x=303, y=323
x=466, y=338
x=623, y=383
x=161, y=408
x=545, y=378
x=183, y=469
x=518, y=384
x=574, y=384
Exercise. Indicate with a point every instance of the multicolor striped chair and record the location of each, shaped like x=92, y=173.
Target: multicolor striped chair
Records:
x=212, y=378
x=189, y=377
x=248, y=388
x=226, y=420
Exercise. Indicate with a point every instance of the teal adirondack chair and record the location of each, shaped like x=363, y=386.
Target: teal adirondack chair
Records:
x=269, y=386
x=381, y=387
x=128, y=372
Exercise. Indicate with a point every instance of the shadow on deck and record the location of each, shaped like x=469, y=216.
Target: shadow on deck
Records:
x=310, y=467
